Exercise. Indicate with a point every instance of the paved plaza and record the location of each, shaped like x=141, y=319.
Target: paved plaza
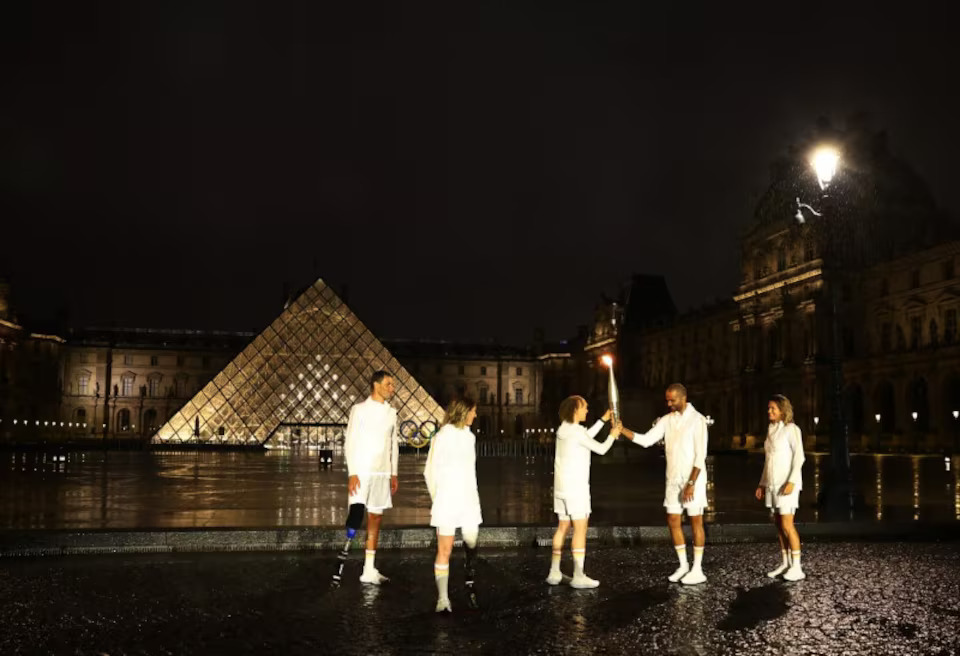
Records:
x=859, y=598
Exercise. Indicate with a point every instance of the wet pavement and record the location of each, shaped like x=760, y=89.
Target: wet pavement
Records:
x=859, y=598
x=156, y=490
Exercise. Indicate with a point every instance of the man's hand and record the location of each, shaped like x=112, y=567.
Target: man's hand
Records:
x=626, y=432
x=786, y=489
x=606, y=415
x=688, y=493
x=760, y=493
x=353, y=485
x=617, y=428
x=394, y=484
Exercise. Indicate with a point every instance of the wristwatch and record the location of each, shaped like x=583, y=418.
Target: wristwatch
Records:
x=691, y=483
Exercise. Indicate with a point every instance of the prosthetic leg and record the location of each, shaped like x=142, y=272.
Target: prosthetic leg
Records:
x=470, y=552
x=354, y=524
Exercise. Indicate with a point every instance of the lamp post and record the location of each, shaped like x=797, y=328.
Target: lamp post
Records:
x=825, y=161
x=879, y=428
x=956, y=424
x=916, y=432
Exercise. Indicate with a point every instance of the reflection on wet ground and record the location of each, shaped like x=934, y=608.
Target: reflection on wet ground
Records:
x=92, y=489
x=858, y=598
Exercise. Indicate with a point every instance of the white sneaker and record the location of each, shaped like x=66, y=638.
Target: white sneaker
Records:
x=373, y=577
x=443, y=606
x=693, y=577
x=795, y=573
x=555, y=577
x=583, y=582
x=679, y=574
x=777, y=572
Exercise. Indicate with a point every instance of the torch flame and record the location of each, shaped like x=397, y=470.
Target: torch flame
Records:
x=607, y=360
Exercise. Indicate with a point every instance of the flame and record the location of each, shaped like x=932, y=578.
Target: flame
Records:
x=607, y=360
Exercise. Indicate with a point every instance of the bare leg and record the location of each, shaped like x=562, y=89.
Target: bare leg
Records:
x=441, y=571
x=373, y=530
x=579, y=546
x=699, y=537
x=680, y=546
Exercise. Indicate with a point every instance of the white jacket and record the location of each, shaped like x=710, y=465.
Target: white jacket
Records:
x=684, y=437
x=571, y=465
x=783, y=449
x=372, y=444
x=451, y=474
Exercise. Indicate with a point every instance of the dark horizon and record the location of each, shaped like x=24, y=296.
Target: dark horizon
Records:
x=469, y=172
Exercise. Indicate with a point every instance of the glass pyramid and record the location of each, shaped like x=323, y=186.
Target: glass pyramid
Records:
x=298, y=377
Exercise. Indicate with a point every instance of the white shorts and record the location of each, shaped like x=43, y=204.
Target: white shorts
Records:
x=571, y=508
x=783, y=504
x=449, y=531
x=374, y=493
x=675, y=505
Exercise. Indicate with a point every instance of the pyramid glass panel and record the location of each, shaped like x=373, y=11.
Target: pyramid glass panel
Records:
x=307, y=367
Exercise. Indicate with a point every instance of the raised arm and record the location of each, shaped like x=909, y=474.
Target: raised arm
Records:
x=600, y=448
x=649, y=438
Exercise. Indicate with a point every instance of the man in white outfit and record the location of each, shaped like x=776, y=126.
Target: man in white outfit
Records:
x=684, y=432
x=372, y=449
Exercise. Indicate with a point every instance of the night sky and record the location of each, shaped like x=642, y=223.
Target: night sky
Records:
x=470, y=171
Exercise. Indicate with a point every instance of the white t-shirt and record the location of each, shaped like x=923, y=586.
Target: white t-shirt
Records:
x=371, y=444
x=451, y=474
x=784, y=459
x=571, y=465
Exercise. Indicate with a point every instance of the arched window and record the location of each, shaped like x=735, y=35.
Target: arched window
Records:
x=123, y=420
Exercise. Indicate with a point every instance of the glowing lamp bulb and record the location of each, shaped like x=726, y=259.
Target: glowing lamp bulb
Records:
x=607, y=360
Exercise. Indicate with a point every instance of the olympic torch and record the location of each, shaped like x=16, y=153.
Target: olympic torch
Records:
x=612, y=392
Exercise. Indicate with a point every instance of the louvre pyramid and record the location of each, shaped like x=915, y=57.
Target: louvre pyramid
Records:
x=307, y=368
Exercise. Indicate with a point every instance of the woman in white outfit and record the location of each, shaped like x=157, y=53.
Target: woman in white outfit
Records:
x=451, y=474
x=781, y=482
x=571, y=485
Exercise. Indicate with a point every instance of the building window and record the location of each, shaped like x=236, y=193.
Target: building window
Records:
x=781, y=260
x=483, y=393
x=181, y=386
x=915, y=333
x=127, y=384
x=915, y=278
x=518, y=396
x=519, y=371
x=123, y=420
x=884, y=287
x=83, y=384
x=948, y=271
x=153, y=387
x=128, y=359
x=886, y=337
x=154, y=361
x=460, y=369
x=483, y=371
x=950, y=326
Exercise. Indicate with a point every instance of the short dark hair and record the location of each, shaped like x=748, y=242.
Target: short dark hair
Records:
x=569, y=406
x=679, y=389
x=378, y=377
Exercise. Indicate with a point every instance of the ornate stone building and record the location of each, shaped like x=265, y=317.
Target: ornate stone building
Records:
x=876, y=256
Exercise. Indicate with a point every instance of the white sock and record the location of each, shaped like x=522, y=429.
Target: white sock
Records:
x=555, y=561
x=795, y=557
x=441, y=573
x=578, y=557
x=368, y=561
x=681, y=553
x=697, y=557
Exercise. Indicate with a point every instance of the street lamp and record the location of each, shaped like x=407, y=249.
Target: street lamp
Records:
x=825, y=161
x=956, y=442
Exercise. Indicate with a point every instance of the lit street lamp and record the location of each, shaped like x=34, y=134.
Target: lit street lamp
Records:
x=825, y=161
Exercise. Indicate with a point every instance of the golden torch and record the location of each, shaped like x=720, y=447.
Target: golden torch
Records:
x=612, y=392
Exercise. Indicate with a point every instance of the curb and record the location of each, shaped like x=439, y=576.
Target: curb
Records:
x=15, y=543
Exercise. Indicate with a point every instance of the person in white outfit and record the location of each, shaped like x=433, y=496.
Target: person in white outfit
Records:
x=781, y=482
x=571, y=485
x=372, y=449
x=684, y=432
x=451, y=475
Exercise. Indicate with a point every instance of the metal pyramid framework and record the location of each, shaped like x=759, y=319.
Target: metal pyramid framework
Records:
x=304, y=371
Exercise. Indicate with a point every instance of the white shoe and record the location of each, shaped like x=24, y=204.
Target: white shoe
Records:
x=373, y=577
x=443, y=606
x=679, y=574
x=693, y=577
x=555, y=577
x=583, y=582
x=795, y=573
x=777, y=572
